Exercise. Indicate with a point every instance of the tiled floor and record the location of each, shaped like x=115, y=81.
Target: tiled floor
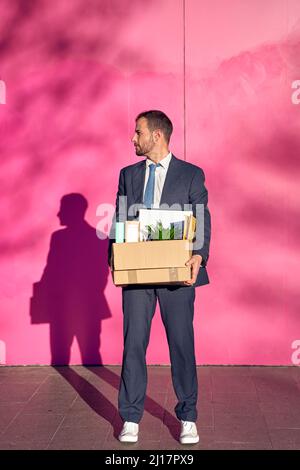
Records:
x=76, y=408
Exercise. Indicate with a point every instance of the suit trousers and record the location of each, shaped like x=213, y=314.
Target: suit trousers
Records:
x=177, y=312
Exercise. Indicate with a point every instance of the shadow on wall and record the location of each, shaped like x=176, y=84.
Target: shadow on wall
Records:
x=70, y=295
x=70, y=77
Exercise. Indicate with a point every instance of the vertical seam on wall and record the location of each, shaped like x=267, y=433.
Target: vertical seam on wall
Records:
x=184, y=88
x=287, y=17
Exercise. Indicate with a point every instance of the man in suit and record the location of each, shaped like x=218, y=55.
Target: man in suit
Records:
x=159, y=180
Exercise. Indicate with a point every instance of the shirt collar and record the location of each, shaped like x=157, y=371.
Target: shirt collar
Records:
x=164, y=162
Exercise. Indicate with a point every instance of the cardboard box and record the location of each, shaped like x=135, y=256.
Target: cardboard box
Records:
x=152, y=276
x=153, y=262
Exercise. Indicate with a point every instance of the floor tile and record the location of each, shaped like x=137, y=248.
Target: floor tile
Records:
x=282, y=420
x=232, y=384
x=8, y=412
x=28, y=428
x=288, y=439
x=17, y=392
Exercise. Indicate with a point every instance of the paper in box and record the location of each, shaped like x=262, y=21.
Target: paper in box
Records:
x=153, y=216
x=151, y=262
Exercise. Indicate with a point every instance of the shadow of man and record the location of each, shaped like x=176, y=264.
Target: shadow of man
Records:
x=70, y=297
x=154, y=408
x=71, y=289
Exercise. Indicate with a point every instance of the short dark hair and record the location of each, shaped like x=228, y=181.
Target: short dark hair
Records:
x=157, y=120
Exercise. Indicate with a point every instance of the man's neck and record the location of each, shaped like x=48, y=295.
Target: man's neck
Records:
x=159, y=156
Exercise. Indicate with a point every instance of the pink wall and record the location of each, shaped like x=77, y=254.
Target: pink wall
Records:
x=76, y=75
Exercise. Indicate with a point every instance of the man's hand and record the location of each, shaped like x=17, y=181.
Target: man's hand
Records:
x=195, y=261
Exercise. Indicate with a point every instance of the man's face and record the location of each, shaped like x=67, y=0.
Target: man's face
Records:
x=143, y=138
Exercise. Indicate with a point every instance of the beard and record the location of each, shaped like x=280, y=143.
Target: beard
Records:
x=138, y=151
x=141, y=150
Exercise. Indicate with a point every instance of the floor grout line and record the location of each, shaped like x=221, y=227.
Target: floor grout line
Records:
x=22, y=409
x=61, y=422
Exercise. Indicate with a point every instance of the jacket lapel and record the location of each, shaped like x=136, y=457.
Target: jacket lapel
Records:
x=174, y=173
x=138, y=179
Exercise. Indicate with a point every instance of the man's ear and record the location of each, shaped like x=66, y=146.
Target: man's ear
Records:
x=157, y=135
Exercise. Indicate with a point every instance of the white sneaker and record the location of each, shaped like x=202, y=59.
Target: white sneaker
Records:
x=189, y=434
x=129, y=432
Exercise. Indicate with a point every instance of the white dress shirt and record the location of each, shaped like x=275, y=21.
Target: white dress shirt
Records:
x=160, y=177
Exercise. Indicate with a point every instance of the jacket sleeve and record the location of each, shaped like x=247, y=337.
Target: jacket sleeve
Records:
x=121, y=192
x=199, y=195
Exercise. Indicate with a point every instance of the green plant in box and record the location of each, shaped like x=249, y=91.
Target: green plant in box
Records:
x=159, y=232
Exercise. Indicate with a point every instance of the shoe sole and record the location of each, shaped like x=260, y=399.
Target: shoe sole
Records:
x=189, y=440
x=128, y=439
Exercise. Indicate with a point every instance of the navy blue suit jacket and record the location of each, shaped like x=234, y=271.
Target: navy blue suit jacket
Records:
x=184, y=184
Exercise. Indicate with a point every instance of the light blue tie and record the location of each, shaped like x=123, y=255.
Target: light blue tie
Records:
x=149, y=191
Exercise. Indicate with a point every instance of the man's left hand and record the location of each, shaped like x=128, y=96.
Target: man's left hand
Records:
x=195, y=262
